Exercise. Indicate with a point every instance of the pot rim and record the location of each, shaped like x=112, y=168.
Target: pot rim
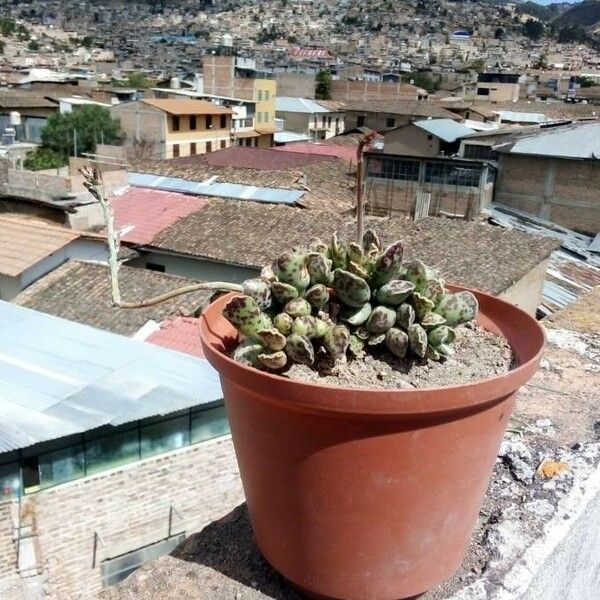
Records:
x=527, y=347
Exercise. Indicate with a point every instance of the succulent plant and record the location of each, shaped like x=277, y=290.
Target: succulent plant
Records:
x=345, y=299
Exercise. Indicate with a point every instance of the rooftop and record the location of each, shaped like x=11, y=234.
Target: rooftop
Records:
x=345, y=152
x=459, y=248
x=414, y=108
x=11, y=99
x=81, y=292
x=176, y=106
x=298, y=105
x=447, y=130
x=578, y=140
x=25, y=242
x=180, y=333
x=62, y=378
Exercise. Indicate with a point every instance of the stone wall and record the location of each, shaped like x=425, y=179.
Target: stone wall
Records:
x=127, y=508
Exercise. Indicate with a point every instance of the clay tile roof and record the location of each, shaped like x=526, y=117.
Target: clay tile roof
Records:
x=460, y=249
x=15, y=100
x=347, y=153
x=142, y=213
x=80, y=291
x=416, y=108
x=256, y=158
x=181, y=334
x=176, y=106
x=25, y=242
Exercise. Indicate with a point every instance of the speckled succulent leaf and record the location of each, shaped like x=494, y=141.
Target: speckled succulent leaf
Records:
x=337, y=253
x=416, y=273
x=321, y=328
x=445, y=350
x=359, y=270
x=283, y=292
x=363, y=333
x=396, y=342
x=375, y=339
x=260, y=290
x=283, y=322
x=317, y=295
x=243, y=312
x=394, y=292
x=304, y=325
x=351, y=289
x=389, y=264
x=432, y=353
x=421, y=305
x=441, y=335
x=417, y=339
x=273, y=360
x=272, y=338
x=292, y=269
x=317, y=245
x=319, y=268
x=336, y=340
x=432, y=319
x=405, y=316
x=247, y=352
x=381, y=319
x=356, y=346
x=458, y=308
x=355, y=253
x=298, y=307
x=268, y=273
x=356, y=316
x=300, y=349
x=434, y=290
x=371, y=239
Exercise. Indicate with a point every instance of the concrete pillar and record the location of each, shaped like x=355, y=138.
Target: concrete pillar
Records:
x=548, y=192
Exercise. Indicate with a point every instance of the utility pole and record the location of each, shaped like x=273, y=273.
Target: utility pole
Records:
x=75, y=142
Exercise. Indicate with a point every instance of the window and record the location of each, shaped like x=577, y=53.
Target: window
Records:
x=449, y=174
x=10, y=481
x=193, y=123
x=267, y=95
x=61, y=466
x=223, y=144
x=193, y=148
x=260, y=96
x=175, y=124
x=209, y=146
x=164, y=436
x=208, y=122
x=390, y=122
x=209, y=424
x=328, y=121
x=360, y=121
x=223, y=121
x=155, y=267
x=111, y=451
x=479, y=151
x=266, y=117
x=258, y=117
x=392, y=168
x=175, y=150
x=483, y=91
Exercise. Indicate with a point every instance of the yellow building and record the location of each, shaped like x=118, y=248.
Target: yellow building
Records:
x=168, y=128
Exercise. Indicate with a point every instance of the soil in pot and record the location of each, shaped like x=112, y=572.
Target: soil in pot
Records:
x=479, y=354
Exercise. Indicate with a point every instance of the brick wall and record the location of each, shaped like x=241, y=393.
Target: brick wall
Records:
x=7, y=545
x=129, y=508
x=348, y=91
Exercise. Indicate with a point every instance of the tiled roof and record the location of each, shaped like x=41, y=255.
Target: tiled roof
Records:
x=181, y=334
x=460, y=249
x=24, y=100
x=310, y=53
x=345, y=152
x=327, y=182
x=25, y=242
x=176, y=106
x=80, y=291
x=423, y=108
x=142, y=213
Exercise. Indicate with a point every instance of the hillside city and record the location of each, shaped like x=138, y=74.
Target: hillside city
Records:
x=307, y=154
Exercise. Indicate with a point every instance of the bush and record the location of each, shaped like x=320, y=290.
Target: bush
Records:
x=44, y=158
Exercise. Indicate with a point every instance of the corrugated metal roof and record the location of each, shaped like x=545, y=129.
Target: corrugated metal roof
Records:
x=578, y=140
x=221, y=190
x=286, y=137
x=60, y=378
x=445, y=129
x=298, y=105
x=573, y=269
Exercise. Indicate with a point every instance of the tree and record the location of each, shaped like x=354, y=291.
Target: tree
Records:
x=139, y=81
x=33, y=45
x=44, y=158
x=534, y=30
x=323, y=85
x=499, y=33
x=86, y=126
x=87, y=41
x=478, y=65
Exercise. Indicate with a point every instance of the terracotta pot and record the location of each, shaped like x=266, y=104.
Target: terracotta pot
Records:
x=362, y=494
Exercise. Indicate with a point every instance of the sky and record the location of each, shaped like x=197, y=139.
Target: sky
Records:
x=545, y=2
